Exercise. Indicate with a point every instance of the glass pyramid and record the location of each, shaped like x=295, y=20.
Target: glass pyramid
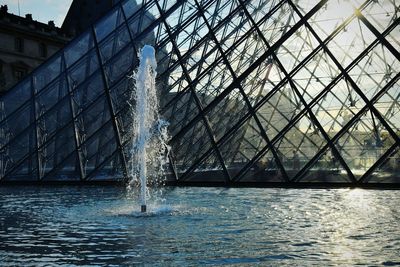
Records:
x=256, y=92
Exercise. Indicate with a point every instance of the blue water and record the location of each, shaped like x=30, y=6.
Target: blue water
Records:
x=199, y=226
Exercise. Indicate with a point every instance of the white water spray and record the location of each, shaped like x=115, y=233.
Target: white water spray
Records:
x=149, y=132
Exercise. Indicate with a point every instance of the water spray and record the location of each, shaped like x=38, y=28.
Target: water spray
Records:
x=145, y=82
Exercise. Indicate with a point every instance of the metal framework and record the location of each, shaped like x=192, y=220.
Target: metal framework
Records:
x=256, y=92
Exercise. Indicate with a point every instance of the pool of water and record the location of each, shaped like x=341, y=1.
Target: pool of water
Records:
x=53, y=226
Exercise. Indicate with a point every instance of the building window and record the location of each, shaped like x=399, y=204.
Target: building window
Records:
x=2, y=77
x=42, y=50
x=19, y=44
x=19, y=73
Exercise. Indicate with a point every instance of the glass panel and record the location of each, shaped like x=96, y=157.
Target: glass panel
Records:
x=57, y=151
x=379, y=62
x=326, y=169
x=389, y=108
x=214, y=83
x=83, y=69
x=260, y=9
x=15, y=98
x=350, y=42
x=265, y=170
x=176, y=79
x=210, y=169
x=227, y=113
x=94, y=117
x=108, y=24
x=26, y=170
x=315, y=76
x=262, y=83
x=381, y=14
x=130, y=8
x=121, y=94
x=241, y=147
x=120, y=65
x=125, y=123
x=47, y=73
x=180, y=112
x=21, y=148
x=277, y=112
x=331, y=16
x=299, y=145
x=66, y=171
x=393, y=38
x=166, y=4
x=388, y=171
x=18, y=122
x=337, y=107
x=109, y=170
x=50, y=96
x=114, y=43
x=140, y=22
x=103, y=141
x=88, y=92
x=79, y=47
x=53, y=122
x=363, y=144
x=191, y=147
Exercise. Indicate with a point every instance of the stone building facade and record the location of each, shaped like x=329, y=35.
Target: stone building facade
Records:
x=25, y=44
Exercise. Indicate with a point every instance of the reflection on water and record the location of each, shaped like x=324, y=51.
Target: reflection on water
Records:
x=199, y=226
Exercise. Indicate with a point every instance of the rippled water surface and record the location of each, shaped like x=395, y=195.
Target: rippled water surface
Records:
x=199, y=226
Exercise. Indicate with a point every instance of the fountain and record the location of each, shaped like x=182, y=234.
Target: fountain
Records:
x=149, y=132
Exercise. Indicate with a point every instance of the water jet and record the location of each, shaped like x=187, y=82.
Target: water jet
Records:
x=149, y=131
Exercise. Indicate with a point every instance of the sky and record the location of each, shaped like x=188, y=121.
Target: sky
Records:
x=41, y=10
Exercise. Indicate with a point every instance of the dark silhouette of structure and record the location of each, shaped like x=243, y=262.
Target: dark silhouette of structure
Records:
x=83, y=13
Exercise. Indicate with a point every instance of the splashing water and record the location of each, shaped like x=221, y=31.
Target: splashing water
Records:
x=149, y=151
